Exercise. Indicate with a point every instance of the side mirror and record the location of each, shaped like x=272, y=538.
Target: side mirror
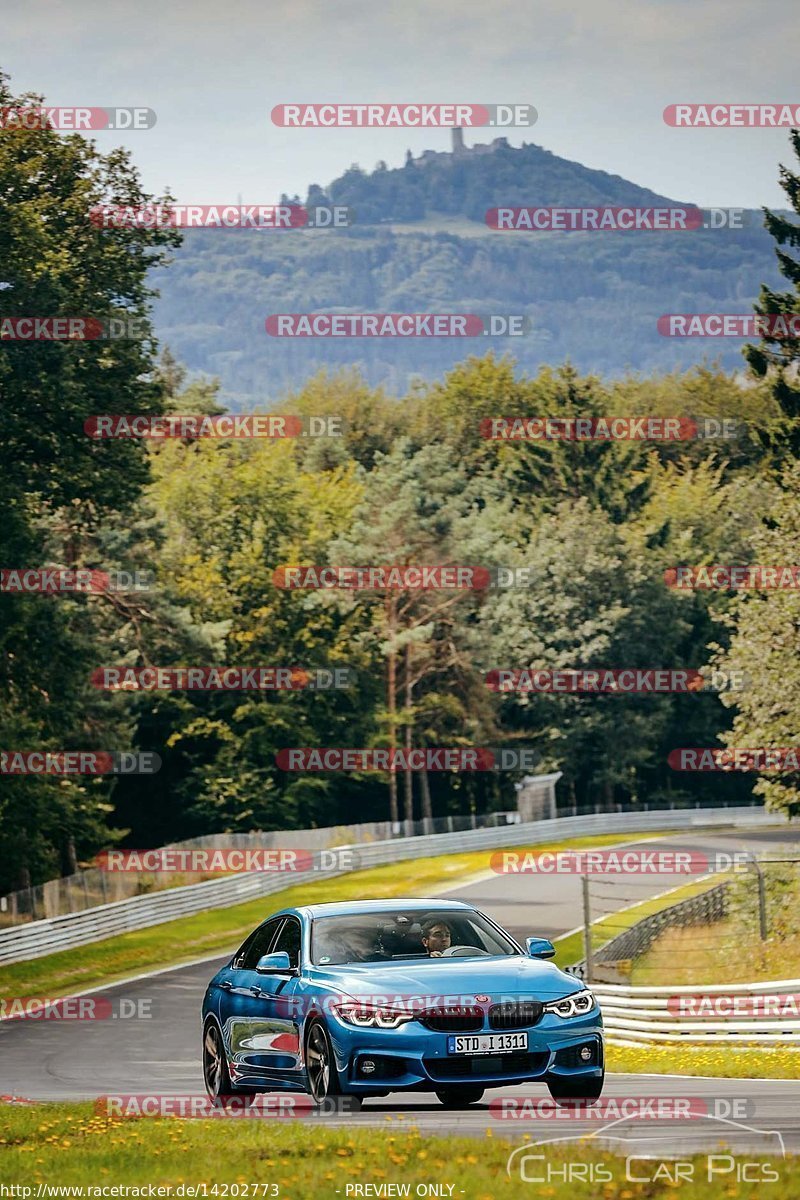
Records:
x=274, y=964
x=537, y=948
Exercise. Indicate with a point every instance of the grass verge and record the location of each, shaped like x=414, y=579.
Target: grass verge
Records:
x=702, y=954
x=726, y=1062
x=222, y=929
x=569, y=949
x=68, y=1144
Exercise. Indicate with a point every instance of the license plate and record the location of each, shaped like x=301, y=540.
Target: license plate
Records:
x=487, y=1043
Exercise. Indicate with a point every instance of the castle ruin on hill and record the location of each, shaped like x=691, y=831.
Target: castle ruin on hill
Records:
x=458, y=150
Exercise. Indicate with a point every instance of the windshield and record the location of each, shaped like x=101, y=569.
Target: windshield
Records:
x=394, y=935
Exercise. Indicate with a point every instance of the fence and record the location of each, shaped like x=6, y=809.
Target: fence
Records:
x=757, y=901
x=63, y=932
x=632, y=943
x=762, y=1013
x=92, y=887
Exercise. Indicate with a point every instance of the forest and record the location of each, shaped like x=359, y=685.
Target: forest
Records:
x=402, y=479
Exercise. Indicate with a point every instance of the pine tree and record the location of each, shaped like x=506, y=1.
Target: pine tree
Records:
x=778, y=357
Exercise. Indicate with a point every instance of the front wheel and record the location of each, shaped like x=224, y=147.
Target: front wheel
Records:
x=216, y=1076
x=323, y=1079
x=460, y=1097
x=575, y=1091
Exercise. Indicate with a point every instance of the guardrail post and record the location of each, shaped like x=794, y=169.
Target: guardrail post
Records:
x=587, y=930
x=762, y=903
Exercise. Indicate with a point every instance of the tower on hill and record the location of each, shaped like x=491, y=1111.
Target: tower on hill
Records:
x=458, y=141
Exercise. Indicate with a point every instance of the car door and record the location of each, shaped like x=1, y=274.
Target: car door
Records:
x=231, y=983
x=262, y=1031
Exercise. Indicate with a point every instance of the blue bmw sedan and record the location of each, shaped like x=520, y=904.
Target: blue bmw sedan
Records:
x=374, y=996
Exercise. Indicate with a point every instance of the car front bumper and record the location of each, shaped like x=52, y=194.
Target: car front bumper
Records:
x=414, y=1058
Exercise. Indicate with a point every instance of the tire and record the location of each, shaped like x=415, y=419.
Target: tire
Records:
x=216, y=1076
x=460, y=1097
x=567, y=1091
x=321, y=1073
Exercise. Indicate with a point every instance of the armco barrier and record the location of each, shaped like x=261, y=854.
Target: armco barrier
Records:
x=91, y=887
x=38, y=938
x=704, y=909
x=635, y=1016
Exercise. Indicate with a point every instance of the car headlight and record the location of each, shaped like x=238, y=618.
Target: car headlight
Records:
x=572, y=1006
x=371, y=1016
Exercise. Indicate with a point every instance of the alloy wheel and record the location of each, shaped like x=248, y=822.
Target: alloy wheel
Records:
x=212, y=1061
x=318, y=1062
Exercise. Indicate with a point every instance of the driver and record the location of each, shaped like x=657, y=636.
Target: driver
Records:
x=435, y=936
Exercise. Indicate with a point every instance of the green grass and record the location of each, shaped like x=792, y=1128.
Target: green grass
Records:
x=705, y=954
x=569, y=949
x=69, y=1144
x=222, y=929
x=727, y=1062
x=733, y=1062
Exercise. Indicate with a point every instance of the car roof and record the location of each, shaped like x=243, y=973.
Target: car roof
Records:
x=345, y=908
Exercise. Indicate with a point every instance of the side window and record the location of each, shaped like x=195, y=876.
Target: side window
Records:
x=289, y=941
x=258, y=945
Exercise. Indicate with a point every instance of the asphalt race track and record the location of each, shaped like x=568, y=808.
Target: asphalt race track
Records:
x=71, y=1060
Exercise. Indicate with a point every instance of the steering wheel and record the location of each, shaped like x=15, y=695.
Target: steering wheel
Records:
x=464, y=952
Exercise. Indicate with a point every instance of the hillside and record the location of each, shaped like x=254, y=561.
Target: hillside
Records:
x=420, y=243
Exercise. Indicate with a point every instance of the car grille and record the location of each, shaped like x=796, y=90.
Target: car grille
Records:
x=516, y=1014
x=461, y=1018
x=487, y=1065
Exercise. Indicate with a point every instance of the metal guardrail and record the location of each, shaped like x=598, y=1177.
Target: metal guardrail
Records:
x=39, y=938
x=702, y=909
x=91, y=887
x=761, y=1013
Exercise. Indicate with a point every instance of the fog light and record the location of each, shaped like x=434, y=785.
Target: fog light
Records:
x=367, y=1066
x=586, y=1053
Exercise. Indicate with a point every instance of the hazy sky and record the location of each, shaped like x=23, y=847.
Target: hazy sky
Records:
x=599, y=72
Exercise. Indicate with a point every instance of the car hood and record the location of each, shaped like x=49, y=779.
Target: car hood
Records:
x=463, y=979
